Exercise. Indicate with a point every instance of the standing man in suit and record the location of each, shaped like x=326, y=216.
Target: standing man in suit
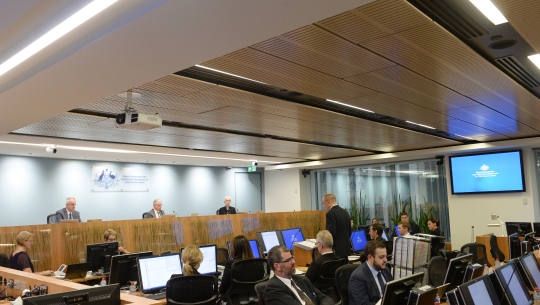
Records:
x=227, y=209
x=338, y=223
x=414, y=227
x=367, y=282
x=156, y=212
x=285, y=288
x=69, y=211
x=324, y=246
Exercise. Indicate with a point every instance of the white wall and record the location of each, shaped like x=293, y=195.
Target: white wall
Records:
x=282, y=190
x=475, y=210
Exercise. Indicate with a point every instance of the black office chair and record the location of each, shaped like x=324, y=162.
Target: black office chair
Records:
x=495, y=251
x=436, y=271
x=146, y=215
x=259, y=289
x=193, y=290
x=343, y=274
x=51, y=218
x=245, y=275
x=478, y=251
x=217, y=212
x=326, y=282
x=4, y=261
x=222, y=256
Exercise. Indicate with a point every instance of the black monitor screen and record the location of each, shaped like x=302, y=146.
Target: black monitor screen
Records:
x=358, y=240
x=531, y=269
x=518, y=227
x=103, y=295
x=536, y=229
x=269, y=239
x=514, y=244
x=124, y=268
x=155, y=271
x=512, y=283
x=397, y=291
x=479, y=291
x=456, y=270
x=99, y=255
x=209, y=263
x=291, y=236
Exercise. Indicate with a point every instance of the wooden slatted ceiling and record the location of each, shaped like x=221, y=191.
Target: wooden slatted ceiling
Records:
x=523, y=16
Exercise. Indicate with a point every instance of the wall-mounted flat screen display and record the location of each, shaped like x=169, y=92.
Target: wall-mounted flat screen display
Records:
x=487, y=173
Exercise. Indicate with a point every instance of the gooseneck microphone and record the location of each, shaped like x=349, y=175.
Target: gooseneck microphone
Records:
x=176, y=213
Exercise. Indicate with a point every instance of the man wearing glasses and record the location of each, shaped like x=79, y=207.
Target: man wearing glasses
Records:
x=324, y=246
x=69, y=211
x=285, y=288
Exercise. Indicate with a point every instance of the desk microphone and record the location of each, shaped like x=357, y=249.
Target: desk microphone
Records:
x=176, y=213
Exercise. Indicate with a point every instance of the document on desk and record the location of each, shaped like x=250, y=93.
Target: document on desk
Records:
x=308, y=244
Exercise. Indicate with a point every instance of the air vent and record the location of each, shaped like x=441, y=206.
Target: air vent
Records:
x=222, y=79
x=450, y=16
x=511, y=65
x=503, y=44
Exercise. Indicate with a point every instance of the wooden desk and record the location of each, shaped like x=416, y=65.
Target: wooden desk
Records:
x=302, y=257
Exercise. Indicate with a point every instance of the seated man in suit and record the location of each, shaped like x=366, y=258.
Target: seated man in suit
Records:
x=324, y=246
x=69, y=211
x=376, y=231
x=156, y=212
x=367, y=282
x=227, y=209
x=285, y=288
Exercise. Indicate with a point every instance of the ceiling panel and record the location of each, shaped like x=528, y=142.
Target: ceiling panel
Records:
x=523, y=16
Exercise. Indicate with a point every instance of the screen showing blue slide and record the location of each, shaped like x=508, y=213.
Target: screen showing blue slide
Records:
x=487, y=173
x=291, y=236
x=254, y=248
x=359, y=240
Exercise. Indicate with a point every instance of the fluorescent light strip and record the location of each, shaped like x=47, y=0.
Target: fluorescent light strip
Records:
x=535, y=59
x=463, y=136
x=122, y=151
x=420, y=124
x=490, y=11
x=215, y=70
x=60, y=30
x=347, y=105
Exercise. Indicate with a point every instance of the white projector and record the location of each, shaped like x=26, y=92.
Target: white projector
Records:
x=138, y=121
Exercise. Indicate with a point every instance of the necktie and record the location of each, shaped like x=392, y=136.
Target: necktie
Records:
x=381, y=282
x=301, y=294
x=70, y=216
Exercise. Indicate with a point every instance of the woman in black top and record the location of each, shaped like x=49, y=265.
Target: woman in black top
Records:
x=240, y=250
x=19, y=258
x=433, y=226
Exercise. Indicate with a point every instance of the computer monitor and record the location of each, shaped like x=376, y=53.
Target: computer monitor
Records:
x=456, y=270
x=254, y=248
x=514, y=245
x=124, y=268
x=209, y=263
x=397, y=291
x=155, y=271
x=269, y=239
x=512, y=285
x=102, y=295
x=99, y=255
x=479, y=291
x=530, y=270
x=518, y=227
x=291, y=236
x=397, y=231
x=358, y=240
x=536, y=228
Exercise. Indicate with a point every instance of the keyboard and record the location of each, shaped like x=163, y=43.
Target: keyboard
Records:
x=157, y=296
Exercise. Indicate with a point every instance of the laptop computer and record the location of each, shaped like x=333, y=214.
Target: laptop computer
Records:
x=77, y=271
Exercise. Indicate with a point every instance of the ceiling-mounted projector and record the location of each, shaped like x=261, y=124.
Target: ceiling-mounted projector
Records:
x=138, y=121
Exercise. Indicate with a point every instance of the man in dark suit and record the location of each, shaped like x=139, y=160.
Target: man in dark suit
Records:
x=156, y=212
x=338, y=223
x=227, y=209
x=367, y=282
x=324, y=246
x=376, y=231
x=414, y=227
x=285, y=288
x=69, y=211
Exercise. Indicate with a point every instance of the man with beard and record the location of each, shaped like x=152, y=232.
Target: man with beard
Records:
x=367, y=282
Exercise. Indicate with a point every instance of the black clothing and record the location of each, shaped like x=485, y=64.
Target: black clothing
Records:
x=277, y=293
x=314, y=269
x=338, y=222
x=21, y=261
x=223, y=210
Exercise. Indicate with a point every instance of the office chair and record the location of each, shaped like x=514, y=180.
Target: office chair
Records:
x=4, y=261
x=146, y=215
x=259, y=289
x=222, y=256
x=217, y=212
x=436, y=271
x=343, y=274
x=495, y=251
x=192, y=289
x=326, y=282
x=478, y=251
x=245, y=275
x=51, y=218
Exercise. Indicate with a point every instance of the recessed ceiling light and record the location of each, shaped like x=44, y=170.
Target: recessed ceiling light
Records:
x=85, y=157
x=30, y=153
x=535, y=59
x=147, y=161
x=117, y=159
x=490, y=11
x=347, y=105
x=420, y=125
x=60, y=30
x=215, y=70
x=174, y=162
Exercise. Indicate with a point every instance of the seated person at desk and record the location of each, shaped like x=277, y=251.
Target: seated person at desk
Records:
x=404, y=228
x=240, y=250
x=227, y=209
x=19, y=258
x=376, y=231
x=367, y=282
x=413, y=228
x=192, y=258
x=110, y=236
x=69, y=211
x=374, y=220
x=433, y=225
x=286, y=288
x=156, y=212
x=324, y=243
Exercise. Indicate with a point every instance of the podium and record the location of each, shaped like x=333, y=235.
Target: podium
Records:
x=302, y=257
x=502, y=242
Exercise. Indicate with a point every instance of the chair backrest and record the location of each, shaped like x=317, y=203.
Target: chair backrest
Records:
x=222, y=256
x=259, y=289
x=495, y=251
x=436, y=271
x=478, y=251
x=327, y=274
x=51, y=218
x=343, y=274
x=245, y=275
x=192, y=289
x=4, y=261
x=217, y=212
x=146, y=215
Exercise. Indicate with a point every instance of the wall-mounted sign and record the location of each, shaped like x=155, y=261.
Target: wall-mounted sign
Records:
x=113, y=179
x=252, y=168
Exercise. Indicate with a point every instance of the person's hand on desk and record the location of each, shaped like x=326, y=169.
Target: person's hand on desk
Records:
x=46, y=273
x=122, y=250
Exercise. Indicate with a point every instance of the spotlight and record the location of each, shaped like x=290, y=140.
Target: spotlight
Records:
x=51, y=149
x=305, y=172
x=440, y=160
x=255, y=163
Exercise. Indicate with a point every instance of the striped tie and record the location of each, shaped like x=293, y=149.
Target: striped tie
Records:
x=302, y=294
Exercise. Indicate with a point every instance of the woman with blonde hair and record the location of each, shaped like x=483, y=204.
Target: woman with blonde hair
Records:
x=19, y=259
x=111, y=236
x=192, y=258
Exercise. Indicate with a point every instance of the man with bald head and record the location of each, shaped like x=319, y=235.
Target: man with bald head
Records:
x=69, y=211
x=156, y=212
